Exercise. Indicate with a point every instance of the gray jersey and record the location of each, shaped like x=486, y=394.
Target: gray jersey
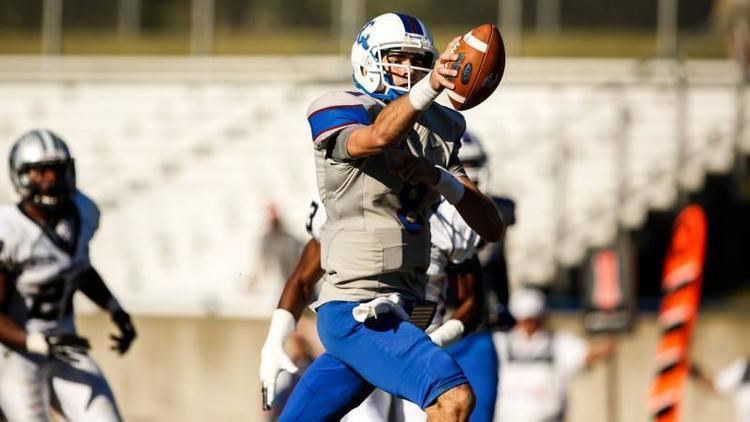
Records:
x=452, y=242
x=44, y=263
x=376, y=239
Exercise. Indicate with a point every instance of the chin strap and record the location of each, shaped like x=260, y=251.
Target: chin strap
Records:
x=387, y=96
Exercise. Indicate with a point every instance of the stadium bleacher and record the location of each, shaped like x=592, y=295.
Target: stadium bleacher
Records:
x=184, y=166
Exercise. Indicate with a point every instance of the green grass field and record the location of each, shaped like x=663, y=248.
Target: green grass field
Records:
x=571, y=43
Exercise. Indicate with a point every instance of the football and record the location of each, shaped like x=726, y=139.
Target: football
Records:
x=480, y=65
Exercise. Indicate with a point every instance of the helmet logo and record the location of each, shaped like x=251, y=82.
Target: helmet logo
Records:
x=362, y=39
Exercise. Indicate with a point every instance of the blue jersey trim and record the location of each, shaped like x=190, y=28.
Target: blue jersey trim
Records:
x=334, y=117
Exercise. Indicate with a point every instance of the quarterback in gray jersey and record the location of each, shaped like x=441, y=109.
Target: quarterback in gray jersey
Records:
x=383, y=155
x=44, y=260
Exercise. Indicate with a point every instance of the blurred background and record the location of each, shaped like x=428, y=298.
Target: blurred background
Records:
x=187, y=119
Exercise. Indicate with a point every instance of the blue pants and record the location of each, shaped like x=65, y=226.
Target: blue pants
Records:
x=477, y=358
x=386, y=352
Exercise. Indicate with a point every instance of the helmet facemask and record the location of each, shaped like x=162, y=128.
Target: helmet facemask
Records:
x=477, y=172
x=474, y=160
x=33, y=156
x=45, y=194
x=422, y=67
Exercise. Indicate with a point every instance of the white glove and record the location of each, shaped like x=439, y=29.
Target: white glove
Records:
x=273, y=358
x=448, y=333
x=380, y=306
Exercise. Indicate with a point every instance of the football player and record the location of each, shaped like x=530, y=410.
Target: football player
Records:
x=453, y=250
x=475, y=352
x=44, y=260
x=384, y=154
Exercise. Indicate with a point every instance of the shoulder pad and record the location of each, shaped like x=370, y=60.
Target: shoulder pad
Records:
x=335, y=111
x=89, y=210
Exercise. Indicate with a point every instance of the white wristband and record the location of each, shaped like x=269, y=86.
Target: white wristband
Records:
x=282, y=326
x=37, y=343
x=421, y=95
x=449, y=186
x=448, y=333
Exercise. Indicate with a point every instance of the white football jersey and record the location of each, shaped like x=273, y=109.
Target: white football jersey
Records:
x=317, y=217
x=452, y=242
x=44, y=262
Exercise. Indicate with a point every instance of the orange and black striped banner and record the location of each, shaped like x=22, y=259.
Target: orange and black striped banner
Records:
x=681, y=288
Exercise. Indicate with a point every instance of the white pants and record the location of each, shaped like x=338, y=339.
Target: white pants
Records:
x=377, y=406
x=30, y=385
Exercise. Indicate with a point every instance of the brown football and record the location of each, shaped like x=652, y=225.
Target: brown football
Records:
x=480, y=65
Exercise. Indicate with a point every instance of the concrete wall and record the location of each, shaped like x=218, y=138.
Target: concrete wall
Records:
x=183, y=369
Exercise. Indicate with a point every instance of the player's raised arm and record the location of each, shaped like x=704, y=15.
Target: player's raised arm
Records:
x=398, y=117
x=475, y=207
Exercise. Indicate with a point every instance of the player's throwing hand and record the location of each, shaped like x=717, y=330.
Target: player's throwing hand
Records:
x=410, y=168
x=443, y=73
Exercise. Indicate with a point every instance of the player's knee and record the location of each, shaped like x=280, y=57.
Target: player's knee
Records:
x=457, y=403
x=464, y=399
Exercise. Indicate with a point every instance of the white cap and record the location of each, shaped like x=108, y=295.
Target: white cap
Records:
x=526, y=304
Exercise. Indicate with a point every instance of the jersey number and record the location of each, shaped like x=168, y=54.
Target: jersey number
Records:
x=313, y=210
x=50, y=302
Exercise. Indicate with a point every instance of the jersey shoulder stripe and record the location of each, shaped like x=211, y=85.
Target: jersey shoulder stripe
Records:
x=335, y=111
x=337, y=117
x=411, y=24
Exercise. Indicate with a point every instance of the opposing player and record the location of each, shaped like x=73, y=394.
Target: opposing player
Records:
x=454, y=270
x=383, y=157
x=44, y=260
x=475, y=352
